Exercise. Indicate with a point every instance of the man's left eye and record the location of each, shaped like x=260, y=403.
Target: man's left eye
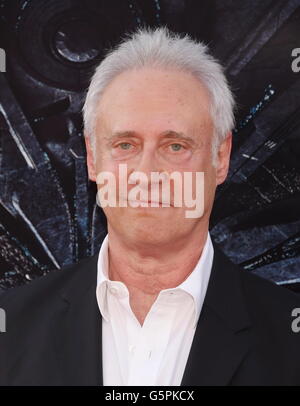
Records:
x=176, y=147
x=125, y=145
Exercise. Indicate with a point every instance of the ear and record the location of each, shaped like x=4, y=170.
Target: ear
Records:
x=90, y=159
x=223, y=159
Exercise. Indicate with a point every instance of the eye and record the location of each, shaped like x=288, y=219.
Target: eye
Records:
x=125, y=145
x=176, y=147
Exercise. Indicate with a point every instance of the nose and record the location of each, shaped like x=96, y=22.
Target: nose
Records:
x=146, y=163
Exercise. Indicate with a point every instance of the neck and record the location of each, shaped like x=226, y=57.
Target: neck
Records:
x=146, y=271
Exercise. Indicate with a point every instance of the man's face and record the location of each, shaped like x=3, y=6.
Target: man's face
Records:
x=156, y=120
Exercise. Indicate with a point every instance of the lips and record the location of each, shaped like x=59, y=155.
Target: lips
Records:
x=149, y=203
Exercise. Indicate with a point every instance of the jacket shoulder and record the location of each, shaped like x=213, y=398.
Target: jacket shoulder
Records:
x=46, y=287
x=267, y=294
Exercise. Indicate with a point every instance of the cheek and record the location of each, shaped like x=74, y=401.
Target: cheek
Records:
x=203, y=163
x=200, y=163
x=209, y=185
x=105, y=163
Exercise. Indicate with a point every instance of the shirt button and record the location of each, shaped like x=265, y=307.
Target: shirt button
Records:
x=113, y=290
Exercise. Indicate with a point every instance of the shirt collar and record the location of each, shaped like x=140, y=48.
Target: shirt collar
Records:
x=197, y=281
x=102, y=278
x=195, y=284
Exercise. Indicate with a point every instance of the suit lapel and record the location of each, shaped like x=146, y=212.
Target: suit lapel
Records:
x=222, y=337
x=79, y=336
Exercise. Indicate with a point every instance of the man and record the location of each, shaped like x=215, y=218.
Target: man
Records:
x=160, y=304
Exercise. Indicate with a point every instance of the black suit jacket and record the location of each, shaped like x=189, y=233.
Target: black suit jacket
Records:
x=243, y=337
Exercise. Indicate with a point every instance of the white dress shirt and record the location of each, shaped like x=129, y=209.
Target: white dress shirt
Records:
x=156, y=352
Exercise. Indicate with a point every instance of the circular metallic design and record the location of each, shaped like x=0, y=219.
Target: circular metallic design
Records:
x=76, y=41
x=60, y=43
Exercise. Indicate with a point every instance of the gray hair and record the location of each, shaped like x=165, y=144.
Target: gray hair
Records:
x=161, y=48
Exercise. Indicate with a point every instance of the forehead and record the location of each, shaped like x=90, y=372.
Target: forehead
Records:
x=151, y=95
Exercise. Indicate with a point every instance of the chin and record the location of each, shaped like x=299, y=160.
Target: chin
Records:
x=148, y=225
x=137, y=227
x=150, y=230
x=150, y=237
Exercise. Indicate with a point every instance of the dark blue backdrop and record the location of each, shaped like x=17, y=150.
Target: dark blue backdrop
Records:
x=48, y=216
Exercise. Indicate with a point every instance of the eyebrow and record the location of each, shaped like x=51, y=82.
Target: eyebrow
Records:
x=120, y=134
x=165, y=134
x=177, y=135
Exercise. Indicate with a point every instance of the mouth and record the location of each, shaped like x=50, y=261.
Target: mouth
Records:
x=149, y=203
